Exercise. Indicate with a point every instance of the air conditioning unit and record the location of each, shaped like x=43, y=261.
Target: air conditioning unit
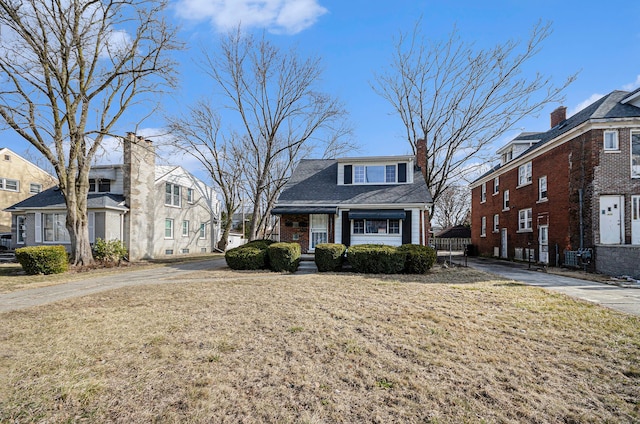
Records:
x=496, y=251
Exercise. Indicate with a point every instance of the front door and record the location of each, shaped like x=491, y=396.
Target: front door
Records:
x=318, y=230
x=635, y=219
x=611, y=216
x=543, y=240
x=503, y=243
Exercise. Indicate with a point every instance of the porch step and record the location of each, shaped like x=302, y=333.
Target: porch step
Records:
x=307, y=264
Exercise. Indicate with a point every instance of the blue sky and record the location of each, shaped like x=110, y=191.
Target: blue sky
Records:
x=354, y=39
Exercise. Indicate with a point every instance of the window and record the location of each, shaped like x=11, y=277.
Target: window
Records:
x=635, y=154
x=525, y=220
x=185, y=228
x=374, y=174
x=21, y=222
x=184, y=251
x=496, y=185
x=7, y=157
x=54, y=229
x=542, y=188
x=172, y=195
x=524, y=174
x=505, y=200
x=376, y=226
x=496, y=223
x=483, y=227
x=483, y=193
x=190, y=195
x=168, y=228
x=99, y=185
x=9, y=185
x=203, y=230
x=35, y=188
x=611, y=140
x=168, y=252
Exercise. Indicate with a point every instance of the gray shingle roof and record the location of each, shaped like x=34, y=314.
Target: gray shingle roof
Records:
x=314, y=182
x=52, y=199
x=608, y=107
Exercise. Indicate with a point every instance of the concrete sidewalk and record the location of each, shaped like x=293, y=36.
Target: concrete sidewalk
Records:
x=40, y=296
x=621, y=299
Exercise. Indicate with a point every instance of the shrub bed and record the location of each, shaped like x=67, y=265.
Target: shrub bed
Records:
x=376, y=259
x=43, y=259
x=284, y=256
x=419, y=259
x=329, y=256
x=250, y=256
x=112, y=251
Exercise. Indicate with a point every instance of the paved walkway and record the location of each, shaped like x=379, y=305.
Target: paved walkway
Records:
x=614, y=297
x=43, y=295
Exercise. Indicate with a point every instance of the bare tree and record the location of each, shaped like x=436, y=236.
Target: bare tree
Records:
x=198, y=134
x=453, y=206
x=272, y=94
x=459, y=98
x=69, y=70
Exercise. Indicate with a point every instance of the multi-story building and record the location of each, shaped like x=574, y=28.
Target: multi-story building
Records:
x=155, y=210
x=569, y=194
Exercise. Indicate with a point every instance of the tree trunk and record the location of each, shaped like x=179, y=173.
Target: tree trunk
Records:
x=226, y=229
x=77, y=222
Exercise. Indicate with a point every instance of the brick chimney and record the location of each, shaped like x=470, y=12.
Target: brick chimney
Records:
x=558, y=115
x=139, y=193
x=421, y=156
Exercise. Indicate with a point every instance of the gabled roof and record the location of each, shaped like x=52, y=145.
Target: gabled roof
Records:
x=52, y=198
x=608, y=107
x=314, y=182
x=458, y=231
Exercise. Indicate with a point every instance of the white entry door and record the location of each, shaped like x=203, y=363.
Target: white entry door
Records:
x=543, y=241
x=318, y=229
x=635, y=219
x=503, y=243
x=611, y=219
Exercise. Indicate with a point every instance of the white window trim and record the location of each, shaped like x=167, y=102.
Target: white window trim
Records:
x=38, y=185
x=173, y=205
x=483, y=193
x=22, y=218
x=42, y=238
x=384, y=165
x=185, y=233
x=165, y=228
x=191, y=196
x=483, y=227
x=203, y=228
x=508, y=198
x=496, y=186
x=631, y=134
x=546, y=183
x=365, y=233
x=496, y=223
x=528, y=229
x=528, y=175
x=615, y=149
x=3, y=185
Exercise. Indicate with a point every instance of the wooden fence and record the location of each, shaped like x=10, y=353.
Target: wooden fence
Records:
x=454, y=244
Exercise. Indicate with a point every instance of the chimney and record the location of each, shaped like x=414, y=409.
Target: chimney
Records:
x=558, y=115
x=139, y=193
x=421, y=156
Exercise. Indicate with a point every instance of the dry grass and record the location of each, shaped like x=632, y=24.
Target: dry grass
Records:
x=13, y=278
x=231, y=347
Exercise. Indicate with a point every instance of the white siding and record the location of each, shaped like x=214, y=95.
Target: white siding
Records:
x=388, y=239
x=415, y=226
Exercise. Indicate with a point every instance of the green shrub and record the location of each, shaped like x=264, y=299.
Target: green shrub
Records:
x=246, y=258
x=419, y=259
x=260, y=244
x=109, y=251
x=43, y=259
x=329, y=256
x=284, y=256
x=376, y=259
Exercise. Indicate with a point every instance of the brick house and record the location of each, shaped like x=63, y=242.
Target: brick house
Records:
x=572, y=189
x=382, y=200
x=155, y=210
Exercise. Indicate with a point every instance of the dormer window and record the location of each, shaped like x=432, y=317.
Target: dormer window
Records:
x=99, y=185
x=375, y=174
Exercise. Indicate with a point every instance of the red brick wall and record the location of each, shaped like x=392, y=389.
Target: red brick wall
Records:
x=287, y=230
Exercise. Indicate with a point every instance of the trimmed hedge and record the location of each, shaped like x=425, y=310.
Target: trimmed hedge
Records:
x=376, y=259
x=112, y=251
x=43, y=259
x=329, y=256
x=249, y=256
x=419, y=259
x=284, y=256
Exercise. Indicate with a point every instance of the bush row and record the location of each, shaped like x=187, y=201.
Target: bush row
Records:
x=376, y=258
x=264, y=254
x=43, y=259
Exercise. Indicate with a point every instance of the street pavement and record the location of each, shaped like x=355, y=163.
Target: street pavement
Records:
x=621, y=299
x=40, y=296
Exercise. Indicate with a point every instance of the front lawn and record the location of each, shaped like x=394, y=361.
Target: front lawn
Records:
x=229, y=347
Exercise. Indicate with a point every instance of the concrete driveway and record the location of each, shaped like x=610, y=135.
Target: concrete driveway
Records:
x=614, y=297
x=40, y=296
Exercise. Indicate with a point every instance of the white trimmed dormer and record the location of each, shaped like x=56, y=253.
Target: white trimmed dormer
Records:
x=382, y=170
x=513, y=149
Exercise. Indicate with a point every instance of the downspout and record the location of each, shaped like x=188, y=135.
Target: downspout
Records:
x=581, y=220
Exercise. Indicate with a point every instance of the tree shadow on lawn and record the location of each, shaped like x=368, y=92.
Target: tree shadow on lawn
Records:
x=441, y=275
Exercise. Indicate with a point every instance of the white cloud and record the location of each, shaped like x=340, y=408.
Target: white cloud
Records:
x=594, y=97
x=632, y=85
x=278, y=16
